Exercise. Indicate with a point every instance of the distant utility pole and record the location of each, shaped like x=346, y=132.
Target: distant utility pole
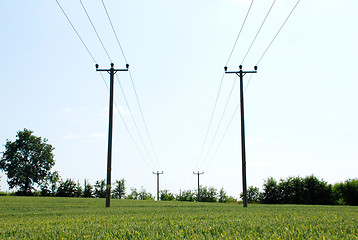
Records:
x=158, y=182
x=241, y=74
x=111, y=72
x=198, y=173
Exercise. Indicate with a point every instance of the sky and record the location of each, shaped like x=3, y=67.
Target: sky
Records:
x=300, y=107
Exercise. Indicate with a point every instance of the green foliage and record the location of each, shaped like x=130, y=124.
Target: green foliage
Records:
x=165, y=195
x=207, y=194
x=140, y=195
x=297, y=190
x=346, y=192
x=100, y=189
x=80, y=218
x=88, y=190
x=253, y=195
x=66, y=189
x=187, y=196
x=27, y=161
x=119, y=190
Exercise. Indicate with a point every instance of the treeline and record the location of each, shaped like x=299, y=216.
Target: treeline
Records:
x=308, y=190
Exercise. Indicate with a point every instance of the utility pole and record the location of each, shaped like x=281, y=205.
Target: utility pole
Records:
x=198, y=173
x=111, y=72
x=241, y=74
x=158, y=182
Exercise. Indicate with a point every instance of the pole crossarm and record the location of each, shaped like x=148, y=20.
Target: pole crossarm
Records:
x=241, y=74
x=111, y=72
x=112, y=69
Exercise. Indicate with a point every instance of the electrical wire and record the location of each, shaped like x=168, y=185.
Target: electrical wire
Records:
x=220, y=121
x=134, y=88
x=252, y=43
x=144, y=122
x=277, y=33
x=135, y=123
x=94, y=60
x=96, y=31
x=238, y=36
x=222, y=138
x=210, y=122
x=78, y=35
x=114, y=31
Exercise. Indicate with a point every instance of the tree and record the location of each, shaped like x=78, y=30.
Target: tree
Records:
x=78, y=190
x=66, y=189
x=222, y=196
x=88, y=190
x=119, y=190
x=165, y=195
x=271, y=193
x=100, y=189
x=27, y=161
x=253, y=195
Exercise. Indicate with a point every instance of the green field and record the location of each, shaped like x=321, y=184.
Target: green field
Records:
x=79, y=218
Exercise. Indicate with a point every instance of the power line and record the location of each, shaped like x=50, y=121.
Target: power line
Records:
x=277, y=33
x=220, y=121
x=217, y=96
x=134, y=88
x=114, y=31
x=78, y=35
x=242, y=62
x=94, y=60
x=144, y=122
x=238, y=36
x=95, y=31
x=210, y=122
x=222, y=138
x=135, y=123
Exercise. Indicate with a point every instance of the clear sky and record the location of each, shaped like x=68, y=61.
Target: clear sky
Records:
x=300, y=108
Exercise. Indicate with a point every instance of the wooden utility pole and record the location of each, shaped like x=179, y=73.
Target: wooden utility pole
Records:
x=198, y=173
x=111, y=72
x=158, y=173
x=241, y=74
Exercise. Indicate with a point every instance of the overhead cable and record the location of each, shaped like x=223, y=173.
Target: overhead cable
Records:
x=220, y=121
x=238, y=36
x=135, y=123
x=96, y=31
x=114, y=31
x=94, y=60
x=78, y=35
x=277, y=33
x=252, y=43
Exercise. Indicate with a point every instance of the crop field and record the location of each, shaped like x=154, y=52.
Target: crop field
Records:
x=80, y=218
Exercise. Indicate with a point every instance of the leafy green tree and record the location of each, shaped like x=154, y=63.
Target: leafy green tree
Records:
x=165, y=195
x=317, y=191
x=222, y=196
x=27, y=161
x=253, y=195
x=347, y=192
x=100, y=189
x=66, y=188
x=208, y=194
x=271, y=192
x=88, y=190
x=78, y=190
x=144, y=195
x=134, y=194
x=119, y=190
x=186, y=195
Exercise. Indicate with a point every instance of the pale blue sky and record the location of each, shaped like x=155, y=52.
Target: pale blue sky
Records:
x=300, y=108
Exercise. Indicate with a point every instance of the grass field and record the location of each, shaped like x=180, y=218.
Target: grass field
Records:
x=79, y=218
